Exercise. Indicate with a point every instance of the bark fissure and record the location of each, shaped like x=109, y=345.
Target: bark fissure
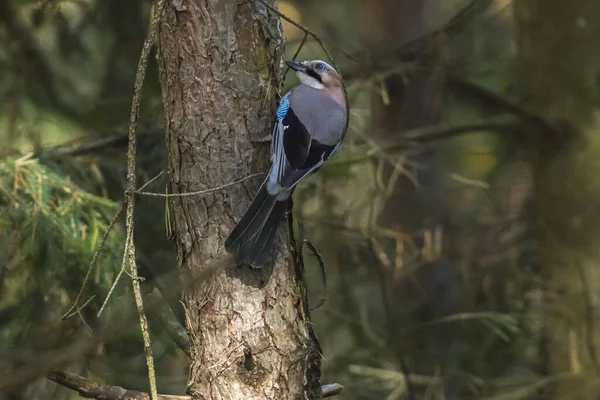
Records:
x=220, y=71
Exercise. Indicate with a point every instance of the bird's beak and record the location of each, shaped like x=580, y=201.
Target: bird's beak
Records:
x=296, y=66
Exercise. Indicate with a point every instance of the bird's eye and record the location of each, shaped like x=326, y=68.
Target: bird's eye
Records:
x=319, y=67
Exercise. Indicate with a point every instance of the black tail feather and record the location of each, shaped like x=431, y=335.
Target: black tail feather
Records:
x=251, y=241
x=260, y=248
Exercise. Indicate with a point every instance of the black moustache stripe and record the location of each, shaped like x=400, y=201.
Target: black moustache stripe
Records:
x=312, y=73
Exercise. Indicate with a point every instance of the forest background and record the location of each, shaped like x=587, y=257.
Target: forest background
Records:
x=457, y=224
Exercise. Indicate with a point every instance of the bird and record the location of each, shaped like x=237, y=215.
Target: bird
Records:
x=309, y=127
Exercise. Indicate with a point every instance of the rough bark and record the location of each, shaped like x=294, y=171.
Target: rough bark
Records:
x=558, y=48
x=220, y=69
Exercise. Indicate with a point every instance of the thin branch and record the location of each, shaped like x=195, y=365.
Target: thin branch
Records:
x=116, y=281
x=292, y=237
x=392, y=375
x=417, y=47
x=383, y=275
x=296, y=244
x=416, y=140
x=200, y=192
x=167, y=320
x=444, y=131
x=462, y=86
x=455, y=24
x=111, y=225
x=35, y=365
x=123, y=263
x=502, y=102
x=319, y=258
x=78, y=309
x=297, y=52
x=130, y=195
x=65, y=150
x=90, y=389
x=145, y=185
x=70, y=149
x=337, y=47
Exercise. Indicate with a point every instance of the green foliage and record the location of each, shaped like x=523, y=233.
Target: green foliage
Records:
x=49, y=230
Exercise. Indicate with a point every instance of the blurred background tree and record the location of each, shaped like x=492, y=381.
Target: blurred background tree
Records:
x=457, y=223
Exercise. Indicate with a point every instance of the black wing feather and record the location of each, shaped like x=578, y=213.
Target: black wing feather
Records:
x=301, y=151
x=296, y=140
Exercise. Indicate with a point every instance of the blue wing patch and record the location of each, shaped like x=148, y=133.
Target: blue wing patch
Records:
x=284, y=106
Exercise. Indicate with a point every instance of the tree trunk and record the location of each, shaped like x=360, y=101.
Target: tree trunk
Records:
x=558, y=49
x=220, y=69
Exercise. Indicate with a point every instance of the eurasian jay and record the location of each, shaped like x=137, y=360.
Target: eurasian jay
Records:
x=309, y=127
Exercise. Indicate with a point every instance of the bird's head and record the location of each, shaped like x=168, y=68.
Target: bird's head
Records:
x=316, y=73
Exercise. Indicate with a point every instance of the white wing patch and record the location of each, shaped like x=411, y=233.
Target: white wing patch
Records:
x=278, y=158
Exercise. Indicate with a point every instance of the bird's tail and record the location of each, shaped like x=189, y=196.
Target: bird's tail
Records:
x=251, y=241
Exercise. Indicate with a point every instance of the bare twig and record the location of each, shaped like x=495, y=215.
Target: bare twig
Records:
x=151, y=180
x=40, y=363
x=68, y=150
x=455, y=24
x=90, y=389
x=78, y=309
x=297, y=52
x=462, y=86
x=168, y=321
x=497, y=100
x=124, y=263
x=201, y=192
x=391, y=375
x=444, y=131
x=319, y=258
x=109, y=140
x=115, y=282
x=130, y=194
x=93, y=263
x=380, y=268
x=416, y=140
x=291, y=236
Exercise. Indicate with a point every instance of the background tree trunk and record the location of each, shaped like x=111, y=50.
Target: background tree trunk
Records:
x=220, y=68
x=558, y=48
